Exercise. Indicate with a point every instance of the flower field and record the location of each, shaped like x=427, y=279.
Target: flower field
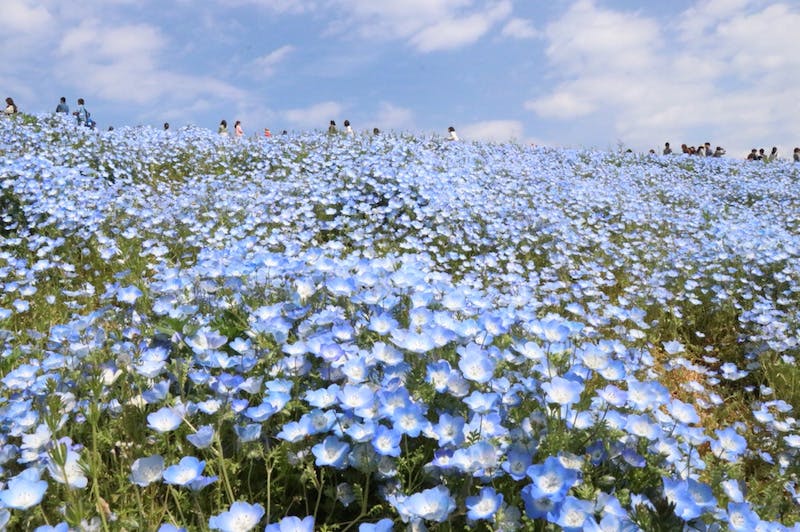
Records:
x=316, y=332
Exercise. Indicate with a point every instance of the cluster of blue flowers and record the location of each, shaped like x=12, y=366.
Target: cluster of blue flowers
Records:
x=404, y=331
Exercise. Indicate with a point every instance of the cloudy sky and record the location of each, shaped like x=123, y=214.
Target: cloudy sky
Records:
x=555, y=72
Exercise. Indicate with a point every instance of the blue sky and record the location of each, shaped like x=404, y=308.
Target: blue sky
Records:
x=561, y=73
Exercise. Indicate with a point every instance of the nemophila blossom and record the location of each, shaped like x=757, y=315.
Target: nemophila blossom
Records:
x=382, y=323
x=434, y=504
x=240, y=517
x=145, y=471
x=292, y=524
x=128, y=294
x=409, y=420
x=551, y=479
x=188, y=470
x=571, y=514
x=386, y=441
x=673, y=347
x=741, y=517
x=355, y=396
x=449, y=430
x=475, y=363
x=165, y=419
x=384, y=525
x=331, y=452
x=729, y=445
x=248, y=433
x=484, y=505
x=518, y=459
x=437, y=374
x=64, y=466
x=690, y=497
x=323, y=397
x=562, y=391
x=22, y=493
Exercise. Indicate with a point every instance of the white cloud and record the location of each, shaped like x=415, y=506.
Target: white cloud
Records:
x=265, y=65
x=24, y=17
x=315, y=116
x=390, y=116
x=122, y=64
x=493, y=131
x=428, y=25
x=724, y=80
x=276, y=6
x=519, y=28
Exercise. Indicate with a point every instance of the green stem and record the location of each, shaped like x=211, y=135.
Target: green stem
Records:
x=319, y=492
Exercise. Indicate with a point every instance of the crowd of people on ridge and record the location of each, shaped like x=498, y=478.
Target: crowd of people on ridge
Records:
x=704, y=150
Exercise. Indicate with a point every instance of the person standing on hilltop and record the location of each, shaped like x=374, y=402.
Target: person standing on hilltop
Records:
x=223, y=128
x=81, y=113
x=348, y=130
x=11, y=107
x=62, y=106
x=452, y=135
x=667, y=149
x=332, y=128
x=796, y=155
x=237, y=129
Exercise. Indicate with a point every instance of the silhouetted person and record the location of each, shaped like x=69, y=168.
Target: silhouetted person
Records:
x=62, y=106
x=667, y=149
x=753, y=155
x=332, y=127
x=773, y=154
x=11, y=107
x=796, y=155
x=166, y=126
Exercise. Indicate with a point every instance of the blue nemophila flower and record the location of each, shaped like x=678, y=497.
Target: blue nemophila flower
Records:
x=449, y=430
x=409, y=420
x=551, y=479
x=741, y=517
x=145, y=471
x=384, y=525
x=22, y=493
x=260, y=413
x=292, y=524
x=240, y=517
x=518, y=459
x=690, y=497
x=355, y=396
x=562, y=391
x=482, y=403
x=386, y=441
x=64, y=466
x=331, y=452
x=729, y=445
x=673, y=347
x=248, y=433
x=128, y=294
x=475, y=363
x=184, y=472
x=571, y=514
x=203, y=437
x=165, y=419
x=484, y=505
x=434, y=504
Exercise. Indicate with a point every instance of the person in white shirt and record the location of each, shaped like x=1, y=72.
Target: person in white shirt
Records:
x=348, y=130
x=452, y=133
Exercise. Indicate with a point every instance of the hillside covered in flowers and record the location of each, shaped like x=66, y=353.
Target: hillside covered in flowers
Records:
x=317, y=332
